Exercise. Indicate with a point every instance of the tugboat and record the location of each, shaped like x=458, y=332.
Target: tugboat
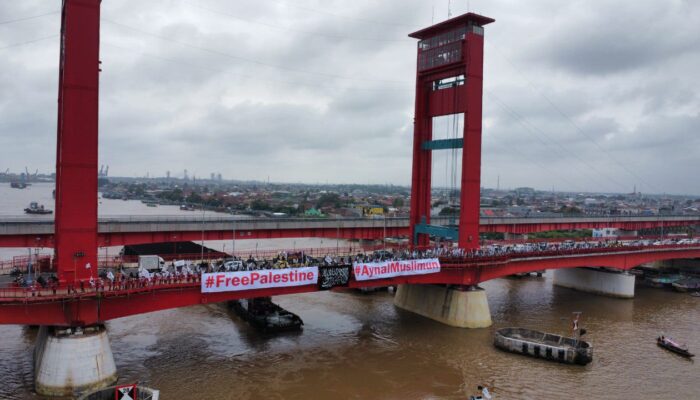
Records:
x=36, y=208
x=18, y=185
x=266, y=316
x=568, y=350
x=671, y=345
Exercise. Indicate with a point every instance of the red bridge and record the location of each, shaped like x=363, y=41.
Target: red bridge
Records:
x=119, y=231
x=449, y=80
x=96, y=305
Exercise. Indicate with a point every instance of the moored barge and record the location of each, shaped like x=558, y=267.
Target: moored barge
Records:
x=544, y=345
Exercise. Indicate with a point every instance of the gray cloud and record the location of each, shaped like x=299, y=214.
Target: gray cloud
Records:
x=579, y=96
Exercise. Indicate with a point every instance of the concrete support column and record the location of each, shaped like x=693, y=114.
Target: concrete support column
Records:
x=460, y=307
x=598, y=281
x=70, y=360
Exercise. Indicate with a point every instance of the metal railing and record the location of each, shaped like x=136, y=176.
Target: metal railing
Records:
x=229, y=219
x=106, y=288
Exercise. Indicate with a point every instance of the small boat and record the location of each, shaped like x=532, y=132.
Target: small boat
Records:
x=485, y=394
x=128, y=391
x=265, y=315
x=186, y=207
x=671, y=345
x=18, y=185
x=686, y=284
x=36, y=208
x=151, y=205
x=695, y=294
x=544, y=345
x=665, y=280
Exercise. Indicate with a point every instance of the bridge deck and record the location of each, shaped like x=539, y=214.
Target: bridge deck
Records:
x=116, y=231
x=91, y=305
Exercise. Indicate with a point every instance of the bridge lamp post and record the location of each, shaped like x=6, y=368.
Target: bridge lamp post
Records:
x=233, y=241
x=384, y=234
x=29, y=268
x=202, y=246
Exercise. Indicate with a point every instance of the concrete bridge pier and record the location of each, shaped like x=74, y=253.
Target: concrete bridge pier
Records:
x=71, y=360
x=596, y=280
x=462, y=306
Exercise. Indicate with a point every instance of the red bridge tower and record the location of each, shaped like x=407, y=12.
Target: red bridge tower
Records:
x=449, y=80
x=76, y=154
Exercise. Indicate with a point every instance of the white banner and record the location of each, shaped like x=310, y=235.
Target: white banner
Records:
x=390, y=269
x=248, y=280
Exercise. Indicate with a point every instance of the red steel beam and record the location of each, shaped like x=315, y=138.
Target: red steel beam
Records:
x=124, y=238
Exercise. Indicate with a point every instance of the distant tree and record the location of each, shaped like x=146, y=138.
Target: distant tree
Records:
x=570, y=210
x=492, y=235
x=398, y=202
x=328, y=200
x=584, y=233
x=449, y=211
x=194, y=198
x=261, y=205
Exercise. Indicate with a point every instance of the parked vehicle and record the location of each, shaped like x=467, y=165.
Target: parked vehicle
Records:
x=151, y=263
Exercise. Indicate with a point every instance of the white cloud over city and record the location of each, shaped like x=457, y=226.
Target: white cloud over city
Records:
x=579, y=95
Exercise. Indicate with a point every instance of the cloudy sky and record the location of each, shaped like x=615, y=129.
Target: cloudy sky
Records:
x=579, y=95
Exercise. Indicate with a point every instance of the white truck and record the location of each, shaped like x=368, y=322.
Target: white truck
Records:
x=151, y=263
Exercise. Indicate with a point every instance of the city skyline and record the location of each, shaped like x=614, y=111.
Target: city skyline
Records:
x=324, y=93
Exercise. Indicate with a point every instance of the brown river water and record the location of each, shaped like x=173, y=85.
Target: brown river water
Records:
x=359, y=346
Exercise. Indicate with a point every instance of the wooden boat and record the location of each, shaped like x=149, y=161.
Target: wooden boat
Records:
x=671, y=345
x=544, y=345
x=695, y=294
x=265, y=315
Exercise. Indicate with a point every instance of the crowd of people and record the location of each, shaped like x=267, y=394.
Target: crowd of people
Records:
x=188, y=272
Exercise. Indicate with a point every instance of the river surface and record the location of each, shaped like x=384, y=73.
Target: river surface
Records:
x=359, y=346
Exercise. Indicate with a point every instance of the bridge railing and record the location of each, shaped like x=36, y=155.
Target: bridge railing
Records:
x=229, y=219
x=43, y=263
x=103, y=287
x=100, y=288
x=461, y=262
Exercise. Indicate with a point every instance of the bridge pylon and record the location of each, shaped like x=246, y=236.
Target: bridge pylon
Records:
x=449, y=81
x=76, y=146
